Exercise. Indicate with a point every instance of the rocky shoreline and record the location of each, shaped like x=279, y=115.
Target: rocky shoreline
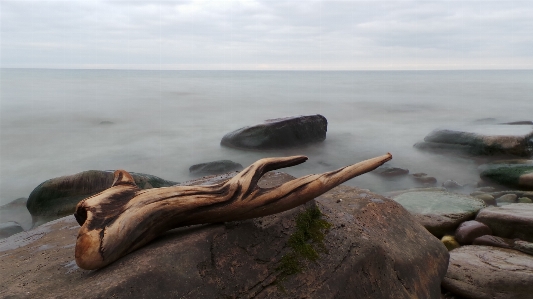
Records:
x=484, y=228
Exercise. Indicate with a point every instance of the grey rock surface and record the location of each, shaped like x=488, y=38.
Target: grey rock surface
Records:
x=509, y=221
x=279, y=133
x=486, y=272
x=440, y=212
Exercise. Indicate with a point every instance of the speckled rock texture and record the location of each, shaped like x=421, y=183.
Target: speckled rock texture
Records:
x=509, y=221
x=375, y=249
x=485, y=272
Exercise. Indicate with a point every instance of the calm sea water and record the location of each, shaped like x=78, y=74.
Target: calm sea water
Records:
x=165, y=121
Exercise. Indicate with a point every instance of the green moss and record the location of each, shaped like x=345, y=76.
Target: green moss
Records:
x=508, y=176
x=305, y=243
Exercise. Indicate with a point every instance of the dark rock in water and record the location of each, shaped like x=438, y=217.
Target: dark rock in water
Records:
x=510, y=221
x=485, y=272
x=391, y=171
x=16, y=211
x=424, y=179
x=470, y=230
x=58, y=197
x=374, y=249
x=509, y=175
x=215, y=167
x=106, y=122
x=520, y=123
x=440, y=212
x=9, y=228
x=512, y=143
x=279, y=133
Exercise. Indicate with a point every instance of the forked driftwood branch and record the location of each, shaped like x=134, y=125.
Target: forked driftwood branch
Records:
x=123, y=218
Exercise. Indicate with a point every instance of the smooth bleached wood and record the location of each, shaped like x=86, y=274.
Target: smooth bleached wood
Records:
x=123, y=218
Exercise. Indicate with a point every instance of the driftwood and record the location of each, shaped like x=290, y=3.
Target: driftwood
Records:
x=123, y=218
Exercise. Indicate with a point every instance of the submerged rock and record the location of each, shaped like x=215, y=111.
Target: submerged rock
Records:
x=486, y=272
x=374, y=249
x=16, y=211
x=388, y=171
x=58, y=197
x=493, y=141
x=509, y=221
x=215, y=167
x=9, y=228
x=440, y=212
x=279, y=133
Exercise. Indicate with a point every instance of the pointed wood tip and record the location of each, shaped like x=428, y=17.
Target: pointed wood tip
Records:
x=123, y=177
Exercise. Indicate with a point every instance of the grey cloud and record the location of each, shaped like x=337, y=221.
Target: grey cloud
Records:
x=257, y=34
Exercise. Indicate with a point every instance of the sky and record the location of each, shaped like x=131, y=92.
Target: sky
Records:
x=267, y=35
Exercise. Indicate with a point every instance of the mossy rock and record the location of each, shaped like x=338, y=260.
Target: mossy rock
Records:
x=440, y=212
x=58, y=197
x=510, y=175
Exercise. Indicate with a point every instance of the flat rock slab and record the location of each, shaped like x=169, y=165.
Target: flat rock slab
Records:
x=485, y=272
x=279, y=133
x=440, y=212
x=375, y=250
x=509, y=221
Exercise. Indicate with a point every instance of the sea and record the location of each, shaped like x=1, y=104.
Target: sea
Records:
x=60, y=122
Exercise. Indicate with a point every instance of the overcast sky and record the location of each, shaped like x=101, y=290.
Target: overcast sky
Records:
x=267, y=34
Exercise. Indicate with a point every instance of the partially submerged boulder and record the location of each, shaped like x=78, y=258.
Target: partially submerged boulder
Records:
x=16, y=211
x=58, y=197
x=509, y=221
x=485, y=272
x=440, y=212
x=388, y=171
x=510, y=175
x=483, y=140
x=279, y=133
x=214, y=167
x=374, y=249
x=9, y=228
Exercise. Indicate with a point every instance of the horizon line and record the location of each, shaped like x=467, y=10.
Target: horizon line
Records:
x=265, y=70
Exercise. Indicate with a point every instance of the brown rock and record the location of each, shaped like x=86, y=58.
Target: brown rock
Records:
x=375, y=250
x=517, y=244
x=510, y=221
x=469, y=230
x=485, y=272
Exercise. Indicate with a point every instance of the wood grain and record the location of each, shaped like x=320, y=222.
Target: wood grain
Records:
x=123, y=218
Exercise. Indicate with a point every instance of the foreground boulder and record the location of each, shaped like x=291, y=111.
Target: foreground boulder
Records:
x=509, y=221
x=373, y=249
x=495, y=140
x=484, y=272
x=215, y=167
x=279, y=133
x=16, y=211
x=58, y=197
x=440, y=212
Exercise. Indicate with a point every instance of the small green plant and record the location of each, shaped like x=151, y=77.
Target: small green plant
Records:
x=305, y=243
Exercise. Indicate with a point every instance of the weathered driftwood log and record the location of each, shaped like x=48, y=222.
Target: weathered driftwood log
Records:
x=123, y=218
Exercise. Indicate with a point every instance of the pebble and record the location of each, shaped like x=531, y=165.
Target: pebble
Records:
x=507, y=198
